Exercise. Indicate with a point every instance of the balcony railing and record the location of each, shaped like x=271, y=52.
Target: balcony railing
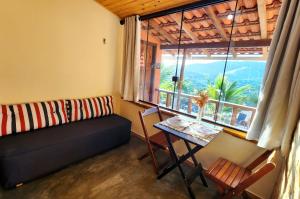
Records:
x=238, y=115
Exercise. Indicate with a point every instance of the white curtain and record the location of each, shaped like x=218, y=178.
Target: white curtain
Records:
x=279, y=104
x=288, y=185
x=131, y=59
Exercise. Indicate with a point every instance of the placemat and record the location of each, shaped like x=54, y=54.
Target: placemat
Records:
x=199, y=129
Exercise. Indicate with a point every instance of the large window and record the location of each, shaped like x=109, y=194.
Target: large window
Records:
x=220, y=48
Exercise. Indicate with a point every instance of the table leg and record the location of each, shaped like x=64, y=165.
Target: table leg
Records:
x=196, y=163
x=181, y=160
x=177, y=163
x=191, y=154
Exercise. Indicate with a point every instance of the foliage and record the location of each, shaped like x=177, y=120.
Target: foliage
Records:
x=166, y=73
x=166, y=83
x=229, y=91
x=252, y=99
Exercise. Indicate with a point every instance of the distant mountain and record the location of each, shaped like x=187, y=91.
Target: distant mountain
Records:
x=200, y=73
x=244, y=72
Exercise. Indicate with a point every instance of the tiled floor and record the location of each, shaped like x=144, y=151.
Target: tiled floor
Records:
x=116, y=174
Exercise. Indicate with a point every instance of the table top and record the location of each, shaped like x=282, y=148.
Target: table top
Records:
x=182, y=135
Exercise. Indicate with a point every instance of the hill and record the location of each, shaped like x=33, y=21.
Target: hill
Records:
x=199, y=73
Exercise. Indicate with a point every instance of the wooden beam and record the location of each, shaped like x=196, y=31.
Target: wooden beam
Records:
x=162, y=31
x=212, y=15
x=265, y=52
x=186, y=7
x=223, y=44
x=145, y=15
x=187, y=30
x=262, y=14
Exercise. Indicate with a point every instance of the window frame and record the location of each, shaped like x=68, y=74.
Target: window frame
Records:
x=217, y=111
x=192, y=116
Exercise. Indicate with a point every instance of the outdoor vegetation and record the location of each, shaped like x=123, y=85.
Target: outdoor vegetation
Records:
x=240, y=85
x=229, y=91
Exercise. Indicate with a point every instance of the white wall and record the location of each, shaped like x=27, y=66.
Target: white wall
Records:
x=52, y=49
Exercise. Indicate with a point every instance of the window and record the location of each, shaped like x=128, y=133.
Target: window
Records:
x=221, y=48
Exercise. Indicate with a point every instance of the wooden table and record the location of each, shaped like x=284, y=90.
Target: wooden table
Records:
x=188, y=140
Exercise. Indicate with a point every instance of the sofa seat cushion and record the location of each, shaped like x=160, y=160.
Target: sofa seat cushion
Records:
x=24, y=143
x=26, y=156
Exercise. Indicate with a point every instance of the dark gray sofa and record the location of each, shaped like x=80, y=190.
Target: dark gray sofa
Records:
x=24, y=157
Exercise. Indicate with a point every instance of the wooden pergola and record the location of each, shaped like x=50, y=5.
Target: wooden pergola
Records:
x=208, y=29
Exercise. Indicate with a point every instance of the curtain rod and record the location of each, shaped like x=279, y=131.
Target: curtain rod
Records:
x=186, y=7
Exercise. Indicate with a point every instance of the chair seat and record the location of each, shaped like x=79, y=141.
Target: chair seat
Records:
x=227, y=173
x=159, y=140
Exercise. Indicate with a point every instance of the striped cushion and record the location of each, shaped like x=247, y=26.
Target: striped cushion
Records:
x=81, y=109
x=26, y=117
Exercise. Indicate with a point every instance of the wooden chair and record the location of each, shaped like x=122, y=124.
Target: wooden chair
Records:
x=154, y=140
x=232, y=179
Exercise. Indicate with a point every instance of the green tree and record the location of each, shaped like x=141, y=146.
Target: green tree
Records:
x=166, y=83
x=252, y=99
x=229, y=91
x=166, y=73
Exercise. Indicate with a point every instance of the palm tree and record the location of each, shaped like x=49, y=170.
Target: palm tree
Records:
x=229, y=91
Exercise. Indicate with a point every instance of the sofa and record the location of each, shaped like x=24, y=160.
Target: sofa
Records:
x=27, y=156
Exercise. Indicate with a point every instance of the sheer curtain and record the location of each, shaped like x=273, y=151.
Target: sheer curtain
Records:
x=131, y=59
x=279, y=105
x=289, y=184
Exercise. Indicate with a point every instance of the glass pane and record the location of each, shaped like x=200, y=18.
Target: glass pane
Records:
x=167, y=71
x=166, y=32
x=220, y=49
x=204, y=45
x=246, y=63
x=149, y=59
x=181, y=61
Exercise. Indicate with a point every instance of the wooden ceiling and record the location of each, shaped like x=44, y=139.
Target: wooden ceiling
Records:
x=255, y=21
x=124, y=8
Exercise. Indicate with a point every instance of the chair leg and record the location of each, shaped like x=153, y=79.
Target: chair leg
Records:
x=143, y=156
x=220, y=189
x=245, y=195
x=153, y=157
x=147, y=154
x=229, y=195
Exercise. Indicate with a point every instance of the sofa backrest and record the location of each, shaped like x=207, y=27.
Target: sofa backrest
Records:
x=81, y=109
x=20, y=118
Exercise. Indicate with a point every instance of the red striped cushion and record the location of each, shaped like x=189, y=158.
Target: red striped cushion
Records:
x=81, y=109
x=26, y=117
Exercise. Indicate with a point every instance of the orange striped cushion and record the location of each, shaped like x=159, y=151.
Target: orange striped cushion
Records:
x=26, y=117
x=81, y=109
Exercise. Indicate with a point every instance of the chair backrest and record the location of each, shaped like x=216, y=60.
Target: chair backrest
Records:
x=147, y=113
x=241, y=117
x=261, y=171
x=266, y=155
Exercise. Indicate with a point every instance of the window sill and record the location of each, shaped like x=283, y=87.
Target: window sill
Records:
x=230, y=131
